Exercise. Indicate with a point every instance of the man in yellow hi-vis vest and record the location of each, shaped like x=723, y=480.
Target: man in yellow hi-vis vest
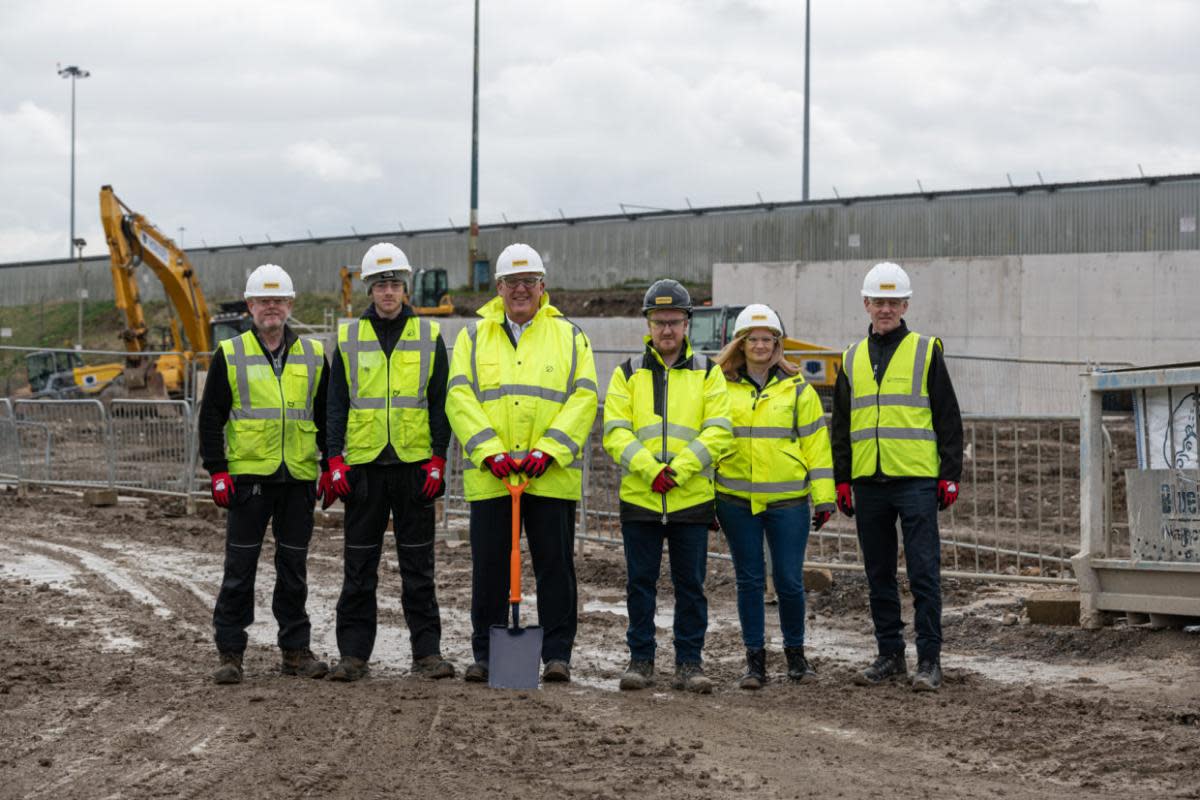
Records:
x=388, y=434
x=262, y=425
x=522, y=396
x=897, y=452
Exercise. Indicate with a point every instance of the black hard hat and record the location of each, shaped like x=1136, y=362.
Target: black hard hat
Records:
x=667, y=293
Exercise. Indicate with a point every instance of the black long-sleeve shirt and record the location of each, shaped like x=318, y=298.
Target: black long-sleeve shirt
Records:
x=217, y=402
x=943, y=404
x=338, y=408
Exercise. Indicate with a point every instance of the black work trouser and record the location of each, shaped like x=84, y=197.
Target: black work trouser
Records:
x=380, y=493
x=877, y=506
x=550, y=531
x=289, y=508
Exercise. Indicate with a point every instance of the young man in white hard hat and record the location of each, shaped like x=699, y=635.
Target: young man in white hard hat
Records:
x=523, y=397
x=388, y=434
x=666, y=422
x=262, y=428
x=897, y=452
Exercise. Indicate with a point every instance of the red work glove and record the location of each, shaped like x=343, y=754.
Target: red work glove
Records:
x=339, y=480
x=325, y=490
x=434, y=469
x=222, y=489
x=665, y=481
x=845, y=499
x=536, y=463
x=819, y=519
x=947, y=493
x=502, y=465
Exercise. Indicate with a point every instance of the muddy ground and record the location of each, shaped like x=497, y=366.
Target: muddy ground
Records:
x=105, y=649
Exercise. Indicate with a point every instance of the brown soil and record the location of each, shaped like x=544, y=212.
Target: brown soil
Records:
x=105, y=649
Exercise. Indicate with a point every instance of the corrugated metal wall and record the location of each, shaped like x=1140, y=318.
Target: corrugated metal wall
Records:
x=1118, y=216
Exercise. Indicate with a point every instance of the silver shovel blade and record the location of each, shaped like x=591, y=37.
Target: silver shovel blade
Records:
x=514, y=657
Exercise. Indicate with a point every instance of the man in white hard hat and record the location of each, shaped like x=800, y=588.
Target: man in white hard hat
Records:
x=523, y=397
x=262, y=428
x=897, y=452
x=388, y=434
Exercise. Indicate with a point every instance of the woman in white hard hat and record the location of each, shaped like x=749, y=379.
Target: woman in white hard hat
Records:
x=780, y=459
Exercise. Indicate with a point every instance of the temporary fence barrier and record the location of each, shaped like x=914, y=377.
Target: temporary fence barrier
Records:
x=152, y=443
x=67, y=440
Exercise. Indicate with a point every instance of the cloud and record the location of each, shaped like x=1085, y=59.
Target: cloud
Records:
x=33, y=131
x=324, y=161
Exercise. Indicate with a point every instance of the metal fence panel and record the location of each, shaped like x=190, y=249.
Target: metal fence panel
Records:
x=151, y=444
x=64, y=442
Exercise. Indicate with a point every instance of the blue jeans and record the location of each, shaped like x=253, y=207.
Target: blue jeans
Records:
x=687, y=547
x=786, y=532
x=876, y=506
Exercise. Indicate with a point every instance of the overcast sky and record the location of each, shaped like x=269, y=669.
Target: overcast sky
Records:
x=260, y=118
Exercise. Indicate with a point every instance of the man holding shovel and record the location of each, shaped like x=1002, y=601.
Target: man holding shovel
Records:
x=522, y=397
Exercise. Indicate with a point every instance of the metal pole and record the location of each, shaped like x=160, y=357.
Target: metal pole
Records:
x=72, y=72
x=473, y=236
x=807, y=31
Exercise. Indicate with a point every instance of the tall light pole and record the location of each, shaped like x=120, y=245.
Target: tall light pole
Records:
x=473, y=235
x=807, y=29
x=74, y=73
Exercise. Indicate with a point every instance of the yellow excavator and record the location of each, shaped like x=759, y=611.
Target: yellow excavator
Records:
x=429, y=295
x=132, y=242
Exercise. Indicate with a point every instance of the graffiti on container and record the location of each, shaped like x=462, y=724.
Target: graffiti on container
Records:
x=1183, y=420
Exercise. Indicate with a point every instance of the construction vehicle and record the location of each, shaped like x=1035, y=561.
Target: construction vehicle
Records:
x=429, y=295
x=61, y=374
x=712, y=328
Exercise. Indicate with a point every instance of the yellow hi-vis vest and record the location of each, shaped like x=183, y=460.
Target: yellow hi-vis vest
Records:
x=780, y=445
x=272, y=417
x=539, y=395
x=891, y=424
x=388, y=394
x=692, y=432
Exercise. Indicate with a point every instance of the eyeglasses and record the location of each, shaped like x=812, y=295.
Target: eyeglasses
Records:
x=273, y=301
x=889, y=302
x=528, y=283
x=660, y=324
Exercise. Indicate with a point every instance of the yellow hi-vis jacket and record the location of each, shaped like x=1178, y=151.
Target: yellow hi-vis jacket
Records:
x=679, y=417
x=388, y=400
x=539, y=395
x=891, y=425
x=271, y=420
x=780, y=447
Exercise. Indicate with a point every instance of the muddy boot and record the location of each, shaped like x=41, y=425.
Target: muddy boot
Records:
x=756, y=670
x=230, y=670
x=885, y=667
x=928, y=677
x=638, y=675
x=303, y=664
x=799, y=670
x=691, y=677
x=349, y=669
x=476, y=673
x=434, y=667
x=557, y=671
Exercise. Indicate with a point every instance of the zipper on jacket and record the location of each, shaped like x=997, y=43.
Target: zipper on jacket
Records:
x=666, y=405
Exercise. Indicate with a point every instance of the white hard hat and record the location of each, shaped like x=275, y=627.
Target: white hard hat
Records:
x=757, y=315
x=518, y=258
x=269, y=280
x=382, y=259
x=887, y=280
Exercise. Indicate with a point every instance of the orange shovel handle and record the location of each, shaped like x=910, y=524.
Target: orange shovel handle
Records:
x=514, y=559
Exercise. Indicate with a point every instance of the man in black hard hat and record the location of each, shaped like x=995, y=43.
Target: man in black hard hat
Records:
x=666, y=422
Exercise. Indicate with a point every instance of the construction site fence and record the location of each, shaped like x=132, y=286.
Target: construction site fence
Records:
x=1017, y=517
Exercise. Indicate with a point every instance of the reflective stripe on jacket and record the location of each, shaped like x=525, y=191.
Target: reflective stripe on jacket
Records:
x=891, y=426
x=271, y=420
x=654, y=416
x=780, y=445
x=388, y=393
x=539, y=395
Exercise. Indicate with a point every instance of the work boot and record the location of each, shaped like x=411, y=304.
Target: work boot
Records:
x=638, y=675
x=349, y=669
x=476, y=673
x=433, y=666
x=691, y=677
x=799, y=670
x=928, y=677
x=557, y=671
x=302, y=663
x=756, y=670
x=230, y=670
x=884, y=667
